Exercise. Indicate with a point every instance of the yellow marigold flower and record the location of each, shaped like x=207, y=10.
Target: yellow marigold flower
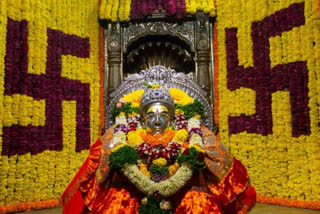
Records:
x=134, y=97
x=197, y=116
x=172, y=169
x=134, y=139
x=179, y=111
x=117, y=147
x=180, y=96
x=135, y=104
x=122, y=114
x=140, y=130
x=160, y=162
x=143, y=168
x=180, y=136
x=198, y=148
x=132, y=114
x=155, y=85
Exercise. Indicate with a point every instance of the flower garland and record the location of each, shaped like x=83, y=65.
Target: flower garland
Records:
x=165, y=188
x=158, y=139
x=160, y=164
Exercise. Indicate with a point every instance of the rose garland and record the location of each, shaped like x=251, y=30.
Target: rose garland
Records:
x=161, y=164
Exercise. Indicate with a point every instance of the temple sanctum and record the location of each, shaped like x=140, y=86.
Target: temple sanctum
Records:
x=160, y=106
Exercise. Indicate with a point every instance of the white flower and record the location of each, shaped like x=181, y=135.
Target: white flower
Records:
x=196, y=140
x=193, y=123
x=144, y=201
x=121, y=119
x=119, y=137
x=139, y=125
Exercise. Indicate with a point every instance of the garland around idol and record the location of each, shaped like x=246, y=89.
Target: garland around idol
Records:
x=158, y=165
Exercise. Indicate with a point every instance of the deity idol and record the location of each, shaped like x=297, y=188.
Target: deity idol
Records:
x=158, y=158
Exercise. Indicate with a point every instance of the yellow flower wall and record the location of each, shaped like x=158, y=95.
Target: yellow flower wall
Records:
x=31, y=179
x=282, y=156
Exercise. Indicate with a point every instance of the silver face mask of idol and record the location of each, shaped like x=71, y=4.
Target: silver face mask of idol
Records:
x=157, y=118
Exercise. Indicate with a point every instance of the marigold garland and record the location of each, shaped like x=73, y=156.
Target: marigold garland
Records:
x=158, y=139
x=216, y=74
x=181, y=136
x=101, y=69
x=27, y=206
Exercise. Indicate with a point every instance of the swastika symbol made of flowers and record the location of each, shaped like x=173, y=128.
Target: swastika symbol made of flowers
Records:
x=51, y=86
x=266, y=80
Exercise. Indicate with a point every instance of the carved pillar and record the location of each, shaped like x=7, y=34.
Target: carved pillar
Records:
x=114, y=58
x=203, y=54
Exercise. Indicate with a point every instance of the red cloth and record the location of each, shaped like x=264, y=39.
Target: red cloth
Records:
x=72, y=198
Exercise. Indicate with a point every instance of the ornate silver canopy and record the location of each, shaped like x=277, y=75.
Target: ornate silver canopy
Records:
x=164, y=76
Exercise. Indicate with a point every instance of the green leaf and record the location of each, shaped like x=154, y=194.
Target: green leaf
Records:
x=126, y=108
x=119, y=158
x=158, y=169
x=193, y=109
x=191, y=159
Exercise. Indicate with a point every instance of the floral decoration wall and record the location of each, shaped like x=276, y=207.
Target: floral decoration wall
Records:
x=266, y=92
x=267, y=95
x=49, y=92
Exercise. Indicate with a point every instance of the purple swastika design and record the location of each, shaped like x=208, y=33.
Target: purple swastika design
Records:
x=266, y=80
x=50, y=86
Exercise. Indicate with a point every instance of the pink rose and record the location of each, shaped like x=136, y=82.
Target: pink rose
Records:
x=119, y=105
x=123, y=101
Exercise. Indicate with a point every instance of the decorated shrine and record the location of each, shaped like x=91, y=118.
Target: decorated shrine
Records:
x=248, y=71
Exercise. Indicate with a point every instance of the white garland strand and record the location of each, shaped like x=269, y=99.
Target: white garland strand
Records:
x=166, y=188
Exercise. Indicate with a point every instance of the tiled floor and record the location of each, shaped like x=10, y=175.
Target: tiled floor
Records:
x=258, y=209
